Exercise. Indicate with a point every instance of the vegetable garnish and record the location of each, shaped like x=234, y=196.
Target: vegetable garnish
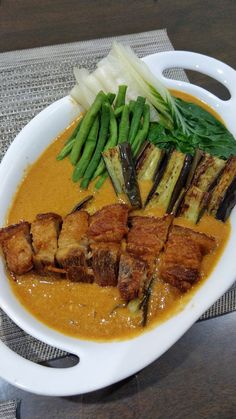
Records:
x=126, y=104
x=101, y=141
x=144, y=304
x=82, y=203
x=224, y=194
x=166, y=188
x=148, y=161
x=88, y=150
x=85, y=127
x=121, y=169
x=197, y=195
x=204, y=132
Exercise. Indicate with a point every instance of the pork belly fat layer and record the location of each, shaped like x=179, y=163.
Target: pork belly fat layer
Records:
x=16, y=245
x=105, y=260
x=132, y=277
x=73, y=247
x=180, y=263
x=148, y=235
x=109, y=224
x=207, y=243
x=45, y=230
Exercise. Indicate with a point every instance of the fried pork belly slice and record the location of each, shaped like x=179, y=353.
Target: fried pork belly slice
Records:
x=16, y=245
x=180, y=263
x=109, y=224
x=148, y=235
x=73, y=247
x=45, y=231
x=132, y=277
x=105, y=263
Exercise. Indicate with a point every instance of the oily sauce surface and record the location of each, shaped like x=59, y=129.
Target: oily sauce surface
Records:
x=87, y=310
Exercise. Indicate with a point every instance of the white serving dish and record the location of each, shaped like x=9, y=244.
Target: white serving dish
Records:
x=102, y=364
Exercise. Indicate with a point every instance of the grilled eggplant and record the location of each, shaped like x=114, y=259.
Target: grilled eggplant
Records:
x=207, y=172
x=196, y=159
x=148, y=161
x=113, y=164
x=82, y=203
x=120, y=165
x=170, y=180
x=198, y=194
x=193, y=204
x=223, y=197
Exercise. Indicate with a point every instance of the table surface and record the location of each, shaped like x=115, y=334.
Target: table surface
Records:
x=196, y=377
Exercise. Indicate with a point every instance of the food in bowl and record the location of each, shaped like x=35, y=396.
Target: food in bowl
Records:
x=131, y=256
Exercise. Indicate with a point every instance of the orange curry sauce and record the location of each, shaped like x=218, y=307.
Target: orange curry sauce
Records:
x=83, y=310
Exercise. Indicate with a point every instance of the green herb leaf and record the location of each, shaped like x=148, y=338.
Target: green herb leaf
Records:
x=204, y=132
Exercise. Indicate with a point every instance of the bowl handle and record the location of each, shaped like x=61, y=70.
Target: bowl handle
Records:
x=203, y=64
x=40, y=379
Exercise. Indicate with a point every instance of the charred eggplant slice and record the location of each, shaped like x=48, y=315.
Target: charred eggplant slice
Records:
x=197, y=196
x=198, y=156
x=82, y=203
x=168, y=185
x=193, y=204
x=195, y=161
x=180, y=182
x=148, y=161
x=223, y=197
x=113, y=164
x=207, y=172
x=131, y=187
x=120, y=166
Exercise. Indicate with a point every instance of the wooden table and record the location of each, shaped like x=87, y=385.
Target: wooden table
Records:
x=196, y=378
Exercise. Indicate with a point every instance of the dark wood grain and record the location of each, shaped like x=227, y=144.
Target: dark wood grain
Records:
x=196, y=378
x=206, y=26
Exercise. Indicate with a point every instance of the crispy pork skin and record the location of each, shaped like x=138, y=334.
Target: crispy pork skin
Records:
x=147, y=235
x=105, y=261
x=16, y=245
x=132, y=277
x=109, y=224
x=181, y=261
x=73, y=247
x=45, y=231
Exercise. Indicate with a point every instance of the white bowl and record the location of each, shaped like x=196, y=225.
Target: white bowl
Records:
x=102, y=364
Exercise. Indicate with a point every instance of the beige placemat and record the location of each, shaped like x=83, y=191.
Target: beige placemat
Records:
x=29, y=81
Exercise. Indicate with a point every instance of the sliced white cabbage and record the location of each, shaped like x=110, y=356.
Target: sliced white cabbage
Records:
x=105, y=78
x=78, y=94
x=122, y=66
x=94, y=84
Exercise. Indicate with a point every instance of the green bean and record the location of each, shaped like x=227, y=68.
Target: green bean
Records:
x=112, y=141
x=118, y=111
x=131, y=106
x=124, y=125
x=69, y=143
x=120, y=99
x=101, y=180
x=86, y=125
x=111, y=97
x=137, y=114
x=143, y=132
x=102, y=137
x=66, y=150
x=75, y=132
x=89, y=148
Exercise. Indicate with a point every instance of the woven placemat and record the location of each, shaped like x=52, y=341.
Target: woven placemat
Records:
x=8, y=409
x=29, y=81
